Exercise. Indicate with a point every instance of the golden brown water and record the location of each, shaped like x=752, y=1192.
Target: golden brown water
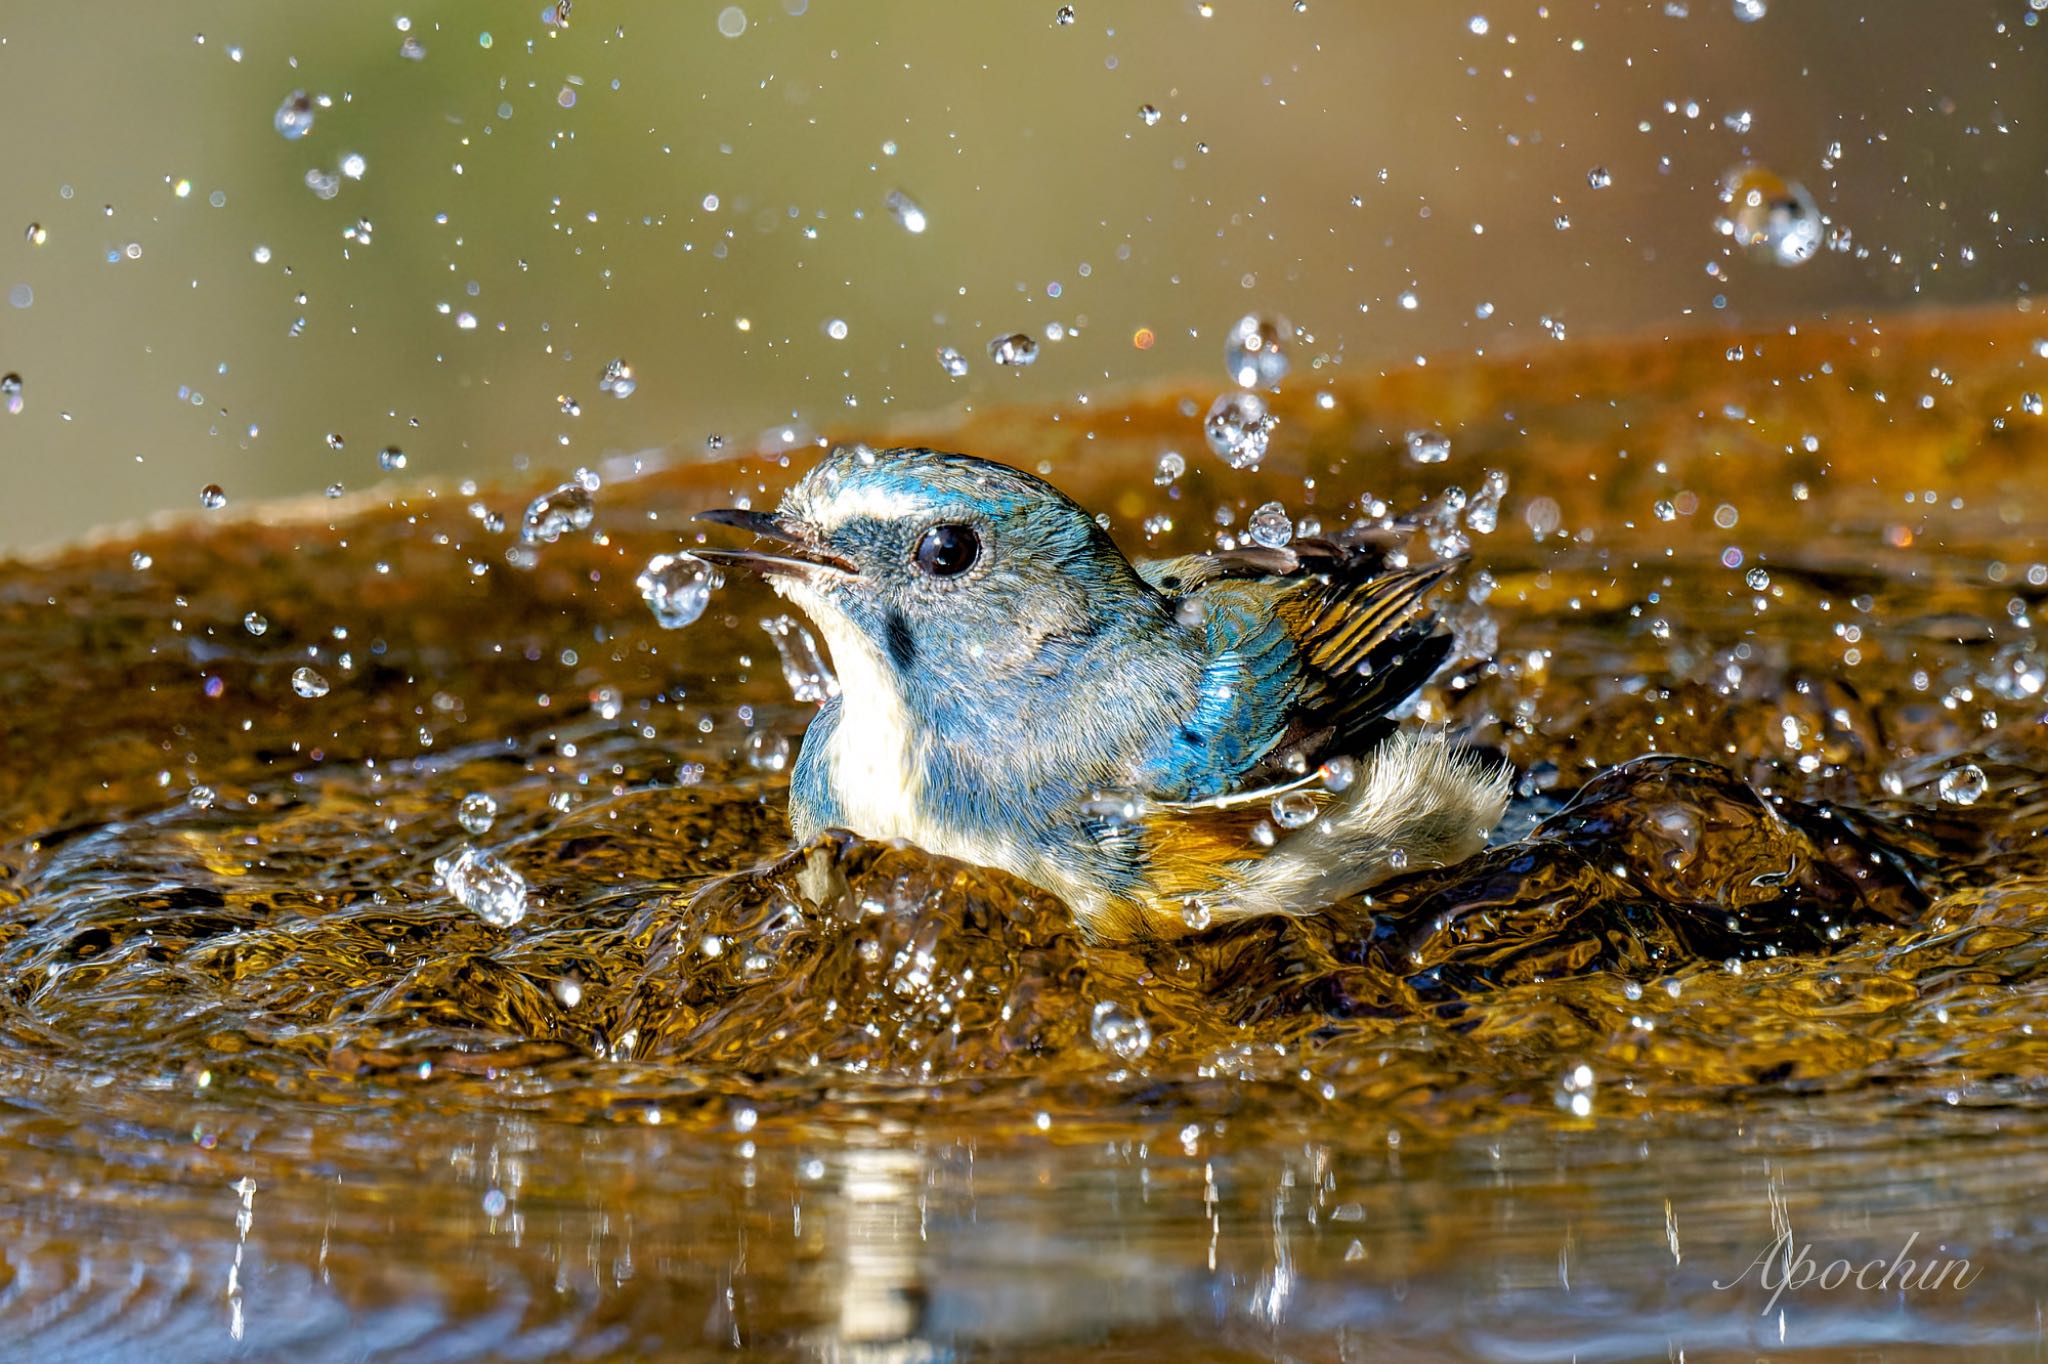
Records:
x=270, y=1091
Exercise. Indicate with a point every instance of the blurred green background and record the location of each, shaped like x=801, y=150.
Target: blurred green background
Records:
x=702, y=190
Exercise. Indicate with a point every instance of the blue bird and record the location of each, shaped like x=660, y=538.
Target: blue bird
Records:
x=1162, y=744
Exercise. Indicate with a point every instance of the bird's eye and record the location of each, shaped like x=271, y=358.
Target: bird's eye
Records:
x=948, y=551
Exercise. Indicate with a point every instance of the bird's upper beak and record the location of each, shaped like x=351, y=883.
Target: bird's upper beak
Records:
x=799, y=555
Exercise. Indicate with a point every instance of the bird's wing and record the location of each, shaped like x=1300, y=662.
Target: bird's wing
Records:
x=1311, y=650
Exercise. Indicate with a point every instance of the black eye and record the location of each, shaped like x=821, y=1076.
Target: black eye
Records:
x=948, y=551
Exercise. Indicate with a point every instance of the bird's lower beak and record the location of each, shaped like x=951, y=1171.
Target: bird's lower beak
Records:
x=797, y=557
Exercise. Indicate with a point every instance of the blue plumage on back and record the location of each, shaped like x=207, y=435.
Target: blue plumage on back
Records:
x=1143, y=739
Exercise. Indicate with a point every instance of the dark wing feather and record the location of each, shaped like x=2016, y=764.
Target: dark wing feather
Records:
x=1363, y=641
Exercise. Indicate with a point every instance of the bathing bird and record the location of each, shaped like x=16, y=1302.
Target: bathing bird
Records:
x=1162, y=744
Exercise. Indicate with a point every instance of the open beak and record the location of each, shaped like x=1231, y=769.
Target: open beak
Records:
x=797, y=556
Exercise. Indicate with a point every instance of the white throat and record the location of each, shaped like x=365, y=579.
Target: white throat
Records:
x=875, y=760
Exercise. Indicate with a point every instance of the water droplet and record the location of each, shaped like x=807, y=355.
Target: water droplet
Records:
x=294, y=117
x=412, y=49
x=37, y=234
x=1749, y=11
x=353, y=165
x=617, y=380
x=802, y=665
x=213, y=497
x=1194, y=912
x=1429, y=447
x=1575, y=1090
x=767, y=751
x=1294, y=810
x=905, y=211
x=1254, y=351
x=310, y=684
x=1964, y=785
x=1338, y=774
x=1148, y=115
x=477, y=813
x=484, y=886
x=732, y=21
x=10, y=394
x=2030, y=403
x=836, y=328
x=571, y=506
x=1772, y=218
x=1478, y=25
x=1015, y=349
x=1121, y=1032
x=1238, y=428
x=607, y=702
x=390, y=458
x=1598, y=177
x=1063, y=16
x=1270, y=526
x=952, y=361
x=677, y=588
x=1171, y=466
x=255, y=623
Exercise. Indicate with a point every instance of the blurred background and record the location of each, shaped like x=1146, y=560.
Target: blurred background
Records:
x=282, y=249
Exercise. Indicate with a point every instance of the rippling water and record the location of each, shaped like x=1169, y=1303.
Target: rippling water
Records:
x=1757, y=960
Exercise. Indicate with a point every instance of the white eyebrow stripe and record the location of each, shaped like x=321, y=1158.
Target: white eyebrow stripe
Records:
x=836, y=508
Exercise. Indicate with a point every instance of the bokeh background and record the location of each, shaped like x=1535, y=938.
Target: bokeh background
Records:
x=490, y=205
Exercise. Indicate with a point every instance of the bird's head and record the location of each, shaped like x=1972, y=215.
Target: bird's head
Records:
x=944, y=568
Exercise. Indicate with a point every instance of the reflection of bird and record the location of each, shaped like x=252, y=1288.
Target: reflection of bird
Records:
x=1162, y=744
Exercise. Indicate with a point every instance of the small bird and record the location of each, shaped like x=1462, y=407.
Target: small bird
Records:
x=1162, y=744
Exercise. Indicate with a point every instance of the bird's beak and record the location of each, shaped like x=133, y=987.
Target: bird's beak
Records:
x=799, y=556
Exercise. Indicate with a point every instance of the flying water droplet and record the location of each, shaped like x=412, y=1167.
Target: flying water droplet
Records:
x=1063, y=16
x=484, y=886
x=1599, y=178
x=255, y=623
x=1429, y=447
x=1270, y=526
x=802, y=665
x=1239, y=429
x=213, y=497
x=1148, y=115
x=952, y=361
x=294, y=118
x=569, y=507
x=677, y=588
x=10, y=394
x=1770, y=217
x=1749, y=11
x=477, y=813
x=767, y=751
x=1121, y=1032
x=1965, y=785
x=617, y=380
x=391, y=459
x=310, y=684
x=906, y=211
x=1016, y=349
x=1254, y=351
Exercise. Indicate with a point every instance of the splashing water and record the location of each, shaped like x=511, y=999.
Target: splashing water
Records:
x=1238, y=428
x=677, y=588
x=572, y=506
x=484, y=885
x=1771, y=218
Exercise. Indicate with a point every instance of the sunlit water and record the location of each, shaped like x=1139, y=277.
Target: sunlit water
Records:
x=400, y=950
